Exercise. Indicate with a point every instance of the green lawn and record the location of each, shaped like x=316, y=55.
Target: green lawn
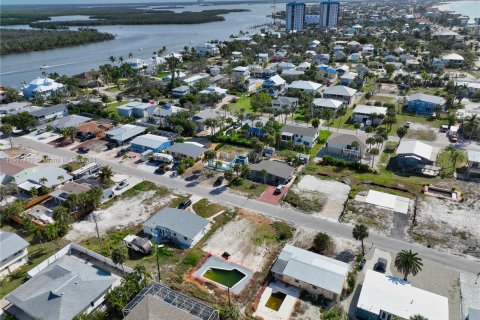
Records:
x=243, y=102
x=243, y=185
x=112, y=107
x=161, y=74
x=322, y=138
x=446, y=160
x=344, y=121
x=206, y=209
x=37, y=253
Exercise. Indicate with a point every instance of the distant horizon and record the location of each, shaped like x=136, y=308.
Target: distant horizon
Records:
x=120, y=2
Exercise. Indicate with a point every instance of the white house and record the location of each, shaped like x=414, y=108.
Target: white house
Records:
x=384, y=296
x=299, y=135
x=453, y=60
x=160, y=114
x=368, y=49
x=262, y=57
x=178, y=226
x=305, y=86
x=241, y=73
x=369, y=114
x=13, y=252
x=325, y=103
x=314, y=273
x=207, y=48
x=137, y=63
x=42, y=88
x=342, y=93
x=473, y=163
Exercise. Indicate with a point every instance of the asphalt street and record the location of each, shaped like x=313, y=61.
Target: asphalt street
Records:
x=222, y=195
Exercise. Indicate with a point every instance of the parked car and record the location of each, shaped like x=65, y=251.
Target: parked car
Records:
x=278, y=189
x=42, y=130
x=122, y=185
x=443, y=128
x=407, y=124
x=122, y=152
x=219, y=181
x=159, y=170
x=381, y=265
x=111, y=145
x=24, y=156
x=185, y=204
x=362, y=264
x=83, y=150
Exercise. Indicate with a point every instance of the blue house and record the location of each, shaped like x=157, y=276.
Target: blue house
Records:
x=150, y=142
x=274, y=85
x=177, y=226
x=135, y=109
x=425, y=104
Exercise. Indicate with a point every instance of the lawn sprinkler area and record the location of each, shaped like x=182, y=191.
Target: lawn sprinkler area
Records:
x=224, y=274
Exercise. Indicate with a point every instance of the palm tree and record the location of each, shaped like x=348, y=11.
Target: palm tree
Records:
x=43, y=180
x=225, y=108
x=340, y=113
x=61, y=178
x=119, y=254
x=471, y=124
x=360, y=232
x=33, y=192
x=36, y=232
x=112, y=59
x=408, y=262
x=105, y=174
x=401, y=132
x=7, y=129
x=374, y=152
x=327, y=115
x=62, y=217
x=209, y=155
x=356, y=126
x=264, y=173
x=51, y=231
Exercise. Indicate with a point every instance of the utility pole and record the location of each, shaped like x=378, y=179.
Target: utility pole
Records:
x=274, y=13
x=96, y=228
x=158, y=266
x=228, y=292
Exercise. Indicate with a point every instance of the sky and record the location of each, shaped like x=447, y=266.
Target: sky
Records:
x=64, y=2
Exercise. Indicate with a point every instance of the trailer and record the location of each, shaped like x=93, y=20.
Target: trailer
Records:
x=138, y=244
x=453, y=134
x=162, y=157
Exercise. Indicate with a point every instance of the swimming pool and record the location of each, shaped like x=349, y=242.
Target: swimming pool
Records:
x=227, y=278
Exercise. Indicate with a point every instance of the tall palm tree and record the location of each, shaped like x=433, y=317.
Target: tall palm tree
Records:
x=408, y=262
x=401, y=132
x=51, y=231
x=61, y=178
x=119, y=254
x=360, y=232
x=36, y=232
x=417, y=317
x=43, y=180
x=7, y=129
x=264, y=175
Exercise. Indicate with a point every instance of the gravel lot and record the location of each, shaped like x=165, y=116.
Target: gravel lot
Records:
x=123, y=213
x=451, y=226
x=336, y=193
x=235, y=238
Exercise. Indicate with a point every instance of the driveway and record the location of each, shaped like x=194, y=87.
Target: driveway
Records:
x=268, y=197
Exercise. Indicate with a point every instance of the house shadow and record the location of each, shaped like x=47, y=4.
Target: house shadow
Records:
x=346, y=256
x=218, y=190
x=192, y=184
x=352, y=310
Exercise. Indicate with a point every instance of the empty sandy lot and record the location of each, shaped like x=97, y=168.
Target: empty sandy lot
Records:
x=336, y=194
x=236, y=239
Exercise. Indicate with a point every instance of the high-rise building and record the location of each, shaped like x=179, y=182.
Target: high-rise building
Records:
x=329, y=11
x=295, y=17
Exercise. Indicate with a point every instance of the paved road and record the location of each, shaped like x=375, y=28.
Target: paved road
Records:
x=221, y=195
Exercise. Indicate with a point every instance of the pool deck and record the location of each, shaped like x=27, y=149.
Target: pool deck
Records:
x=220, y=263
x=288, y=304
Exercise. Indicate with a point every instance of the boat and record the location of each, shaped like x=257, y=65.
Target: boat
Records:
x=45, y=67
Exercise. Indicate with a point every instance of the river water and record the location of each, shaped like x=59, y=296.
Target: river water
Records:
x=141, y=40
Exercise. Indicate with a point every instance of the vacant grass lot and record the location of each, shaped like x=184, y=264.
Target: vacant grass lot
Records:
x=245, y=186
x=450, y=162
x=112, y=107
x=206, y=209
x=243, y=102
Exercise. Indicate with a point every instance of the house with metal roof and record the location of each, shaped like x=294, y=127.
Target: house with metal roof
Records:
x=453, y=60
x=160, y=114
x=342, y=93
x=275, y=85
x=180, y=91
x=14, y=170
x=48, y=176
x=349, y=79
x=305, y=86
x=299, y=135
x=135, y=109
x=42, y=88
x=312, y=272
x=384, y=296
x=473, y=163
x=284, y=102
x=44, y=114
x=369, y=114
x=73, y=281
x=186, y=150
x=271, y=172
x=73, y=120
x=324, y=103
x=13, y=107
x=150, y=142
x=124, y=133
x=157, y=301
x=202, y=116
x=61, y=194
x=346, y=146
x=425, y=104
x=181, y=227
x=325, y=72
x=414, y=153
x=13, y=252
